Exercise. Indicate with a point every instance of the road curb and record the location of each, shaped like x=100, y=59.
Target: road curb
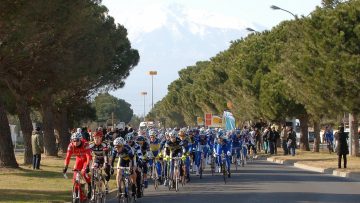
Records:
x=281, y=161
x=313, y=168
x=351, y=175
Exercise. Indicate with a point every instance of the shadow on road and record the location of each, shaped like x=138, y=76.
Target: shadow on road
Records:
x=252, y=197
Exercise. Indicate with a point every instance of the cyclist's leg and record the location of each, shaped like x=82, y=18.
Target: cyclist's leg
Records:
x=187, y=167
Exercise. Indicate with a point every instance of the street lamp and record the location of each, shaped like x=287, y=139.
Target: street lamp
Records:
x=251, y=30
x=144, y=94
x=152, y=73
x=278, y=8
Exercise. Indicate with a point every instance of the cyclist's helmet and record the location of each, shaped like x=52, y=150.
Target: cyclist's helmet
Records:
x=119, y=141
x=181, y=134
x=76, y=136
x=152, y=133
x=98, y=134
x=140, y=139
x=172, y=134
x=129, y=137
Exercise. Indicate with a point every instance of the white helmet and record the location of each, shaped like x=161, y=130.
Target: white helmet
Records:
x=172, y=134
x=119, y=141
x=76, y=136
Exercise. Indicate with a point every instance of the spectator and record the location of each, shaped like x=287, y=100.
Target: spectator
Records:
x=266, y=140
x=258, y=139
x=329, y=138
x=276, y=138
x=271, y=140
x=37, y=147
x=291, y=141
x=342, y=148
x=283, y=137
x=85, y=135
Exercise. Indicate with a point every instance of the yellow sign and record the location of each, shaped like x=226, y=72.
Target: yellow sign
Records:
x=216, y=121
x=200, y=121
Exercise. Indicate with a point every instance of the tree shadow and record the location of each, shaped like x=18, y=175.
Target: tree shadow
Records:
x=11, y=195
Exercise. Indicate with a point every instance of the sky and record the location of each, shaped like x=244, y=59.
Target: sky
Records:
x=143, y=16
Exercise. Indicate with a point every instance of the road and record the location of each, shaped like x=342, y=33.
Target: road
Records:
x=260, y=181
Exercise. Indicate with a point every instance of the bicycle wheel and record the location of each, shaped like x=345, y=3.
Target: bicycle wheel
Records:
x=155, y=177
x=123, y=192
x=177, y=183
x=224, y=172
x=75, y=194
x=101, y=191
x=201, y=168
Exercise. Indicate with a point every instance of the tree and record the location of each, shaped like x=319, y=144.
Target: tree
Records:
x=106, y=104
x=7, y=155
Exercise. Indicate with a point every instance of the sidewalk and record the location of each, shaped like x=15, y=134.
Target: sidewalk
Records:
x=321, y=162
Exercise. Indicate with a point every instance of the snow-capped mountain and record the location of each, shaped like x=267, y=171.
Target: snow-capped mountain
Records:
x=169, y=39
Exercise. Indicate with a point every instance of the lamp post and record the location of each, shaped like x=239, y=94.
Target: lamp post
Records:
x=252, y=30
x=144, y=94
x=278, y=8
x=152, y=73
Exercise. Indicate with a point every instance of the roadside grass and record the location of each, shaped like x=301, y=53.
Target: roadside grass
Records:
x=45, y=185
x=322, y=159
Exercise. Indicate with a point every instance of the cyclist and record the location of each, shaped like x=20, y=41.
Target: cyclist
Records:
x=186, y=153
x=175, y=148
x=155, y=149
x=235, y=146
x=211, y=141
x=202, y=146
x=79, y=147
x=223, y=146
x=100, y=152
x=138, y=162
x=166, y=154
x=145, y=149
x=192, y=148
x=126, y=155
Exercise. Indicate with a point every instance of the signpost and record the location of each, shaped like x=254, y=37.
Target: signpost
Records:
x=208, y=119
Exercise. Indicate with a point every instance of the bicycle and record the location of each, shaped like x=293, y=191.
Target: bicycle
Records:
x=223, y=166
x=78, y=189
x=154, y=174
x=236, y=159
x=212, y=165
x=176, y=172
x=124, y=185
x=243, y=155
x=201, y=165
x=330, y=146
x=183, y=168
x=98, y=185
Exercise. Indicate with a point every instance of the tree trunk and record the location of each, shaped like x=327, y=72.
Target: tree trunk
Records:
x=48, y=122
x=317, y=136
x=61, y=125
x=354, y=134
x=26, y=128
x=304, y=141
x=7, y=155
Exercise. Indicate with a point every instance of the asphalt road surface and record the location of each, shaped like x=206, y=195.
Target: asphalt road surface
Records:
x=259, y=181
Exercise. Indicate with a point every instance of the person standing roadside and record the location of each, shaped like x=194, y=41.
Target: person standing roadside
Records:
x=283, y=137
x=37, y=147
x=291, y=141
x=276, y=138
x=342, y=149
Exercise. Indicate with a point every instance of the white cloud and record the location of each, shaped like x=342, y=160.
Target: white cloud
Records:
x=154, y=16
x=215, y=20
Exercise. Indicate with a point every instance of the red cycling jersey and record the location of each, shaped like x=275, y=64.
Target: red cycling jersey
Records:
x=81, y=152
x=83, y=157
